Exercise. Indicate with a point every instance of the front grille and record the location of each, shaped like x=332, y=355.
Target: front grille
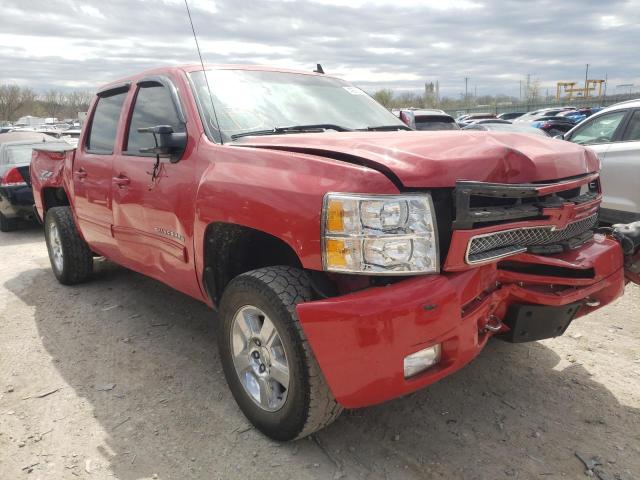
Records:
x=507, y=242
x=480, y=204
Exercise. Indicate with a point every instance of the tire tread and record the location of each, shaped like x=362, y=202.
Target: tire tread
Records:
x=78, y=259
x=291, y=285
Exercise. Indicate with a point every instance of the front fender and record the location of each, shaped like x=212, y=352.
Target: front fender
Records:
x=279, y=193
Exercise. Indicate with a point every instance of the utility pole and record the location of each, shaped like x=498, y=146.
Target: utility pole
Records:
x=586, y=82
x=466, y=91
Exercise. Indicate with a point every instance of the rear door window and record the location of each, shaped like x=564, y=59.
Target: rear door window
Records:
x=104, y=124
x=153, y=107
x=633, y=128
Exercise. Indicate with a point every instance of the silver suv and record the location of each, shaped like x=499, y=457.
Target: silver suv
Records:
x=614, y=134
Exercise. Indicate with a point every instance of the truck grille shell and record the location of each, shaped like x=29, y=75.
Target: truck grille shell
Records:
x=494, y=245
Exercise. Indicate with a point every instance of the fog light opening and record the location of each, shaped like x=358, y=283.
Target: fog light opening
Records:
x=422, y=360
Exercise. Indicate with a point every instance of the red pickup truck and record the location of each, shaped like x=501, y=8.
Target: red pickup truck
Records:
x=351, y=260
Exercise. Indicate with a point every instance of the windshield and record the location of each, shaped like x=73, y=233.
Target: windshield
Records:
x=21, y=154
x=252, y=100
x=436, y=123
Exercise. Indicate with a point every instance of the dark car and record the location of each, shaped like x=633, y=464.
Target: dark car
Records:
x=473, y=117
x=489, y=120
x=16, y=198
x=506, y=127
x=428, y=119
x=510, y=115
x=554, y=125
x=538, y=114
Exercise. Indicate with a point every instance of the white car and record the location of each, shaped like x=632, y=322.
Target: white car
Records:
x=614, y=134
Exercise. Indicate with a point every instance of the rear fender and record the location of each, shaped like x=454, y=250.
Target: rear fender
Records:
x=51, y=169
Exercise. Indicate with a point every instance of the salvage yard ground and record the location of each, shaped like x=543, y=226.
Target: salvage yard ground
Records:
x=119, y=378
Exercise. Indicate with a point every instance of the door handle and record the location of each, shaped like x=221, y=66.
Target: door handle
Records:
x=80, y=173
x=121, y=181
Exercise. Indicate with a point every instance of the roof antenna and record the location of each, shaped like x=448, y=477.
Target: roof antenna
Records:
x=206, y=78
x=318, y=66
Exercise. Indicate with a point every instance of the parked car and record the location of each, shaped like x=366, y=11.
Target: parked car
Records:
x=16, y=198
x=614, y=134
x=553, y=125
x=466, y=119
x=71, y=136
x=543, y=112
x=484, y=121
x=508, y=127
x=425, y=119
x=325, y=233
x=510, y=115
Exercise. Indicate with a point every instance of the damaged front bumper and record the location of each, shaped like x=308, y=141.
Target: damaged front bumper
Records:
x=361, y=339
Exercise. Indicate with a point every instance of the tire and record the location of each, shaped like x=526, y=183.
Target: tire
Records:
x=306, y=405
x=8, y=224
x=70, y=256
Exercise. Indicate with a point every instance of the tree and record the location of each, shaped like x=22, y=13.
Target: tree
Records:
x=12, y=99
x=54, y=102
x=384, y=97
x=77, y=101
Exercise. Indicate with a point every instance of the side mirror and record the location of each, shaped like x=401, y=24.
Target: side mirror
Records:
x=559, y=137
x=168, y=143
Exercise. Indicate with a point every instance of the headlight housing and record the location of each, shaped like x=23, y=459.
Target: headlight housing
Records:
x=379, y=234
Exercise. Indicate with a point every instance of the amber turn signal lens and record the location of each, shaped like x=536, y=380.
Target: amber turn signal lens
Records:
x=336, y=252
x=335, y=216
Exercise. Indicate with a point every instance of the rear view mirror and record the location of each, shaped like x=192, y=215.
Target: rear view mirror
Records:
x=168, y=143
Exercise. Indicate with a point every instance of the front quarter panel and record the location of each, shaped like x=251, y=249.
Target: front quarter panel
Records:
x=279, y=193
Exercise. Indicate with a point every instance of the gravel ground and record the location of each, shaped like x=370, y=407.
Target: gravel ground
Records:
x=119, y=378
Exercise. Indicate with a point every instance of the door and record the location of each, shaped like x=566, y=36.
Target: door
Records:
x=622, y=160
x=154, y=205
x=92, y=172
x=599, y=133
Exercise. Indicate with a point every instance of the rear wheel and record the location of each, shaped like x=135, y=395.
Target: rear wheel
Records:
x=8, y=224
x=71, y=259
x=267, y=362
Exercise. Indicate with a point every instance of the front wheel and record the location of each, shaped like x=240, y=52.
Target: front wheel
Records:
x=71, y=259
x=267, y=361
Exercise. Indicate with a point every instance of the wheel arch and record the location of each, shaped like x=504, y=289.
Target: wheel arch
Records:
x=231, y=249
x=54, y=197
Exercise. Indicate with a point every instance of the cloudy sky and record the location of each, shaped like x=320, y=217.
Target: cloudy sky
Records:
x=373, y=43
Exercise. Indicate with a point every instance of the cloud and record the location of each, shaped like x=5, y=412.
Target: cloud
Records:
x=373, y=43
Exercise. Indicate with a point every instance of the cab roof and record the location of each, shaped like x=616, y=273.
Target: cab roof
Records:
x=196, y=67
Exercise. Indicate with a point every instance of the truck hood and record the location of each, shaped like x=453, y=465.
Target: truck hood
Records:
x=439, y=159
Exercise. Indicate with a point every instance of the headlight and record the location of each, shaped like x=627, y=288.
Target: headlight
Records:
x=380, y=234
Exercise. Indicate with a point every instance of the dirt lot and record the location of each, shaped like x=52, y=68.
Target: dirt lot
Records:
x=119, y=378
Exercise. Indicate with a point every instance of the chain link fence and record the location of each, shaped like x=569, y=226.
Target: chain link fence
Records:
x=531, y=106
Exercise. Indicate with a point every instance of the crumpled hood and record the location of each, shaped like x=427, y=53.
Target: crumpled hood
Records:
x=439, y=159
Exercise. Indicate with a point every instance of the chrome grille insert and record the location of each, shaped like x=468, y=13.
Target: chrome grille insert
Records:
x=489, y=246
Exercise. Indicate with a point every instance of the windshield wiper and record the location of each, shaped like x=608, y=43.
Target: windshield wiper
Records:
x=319, y=127
x=385, y=128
